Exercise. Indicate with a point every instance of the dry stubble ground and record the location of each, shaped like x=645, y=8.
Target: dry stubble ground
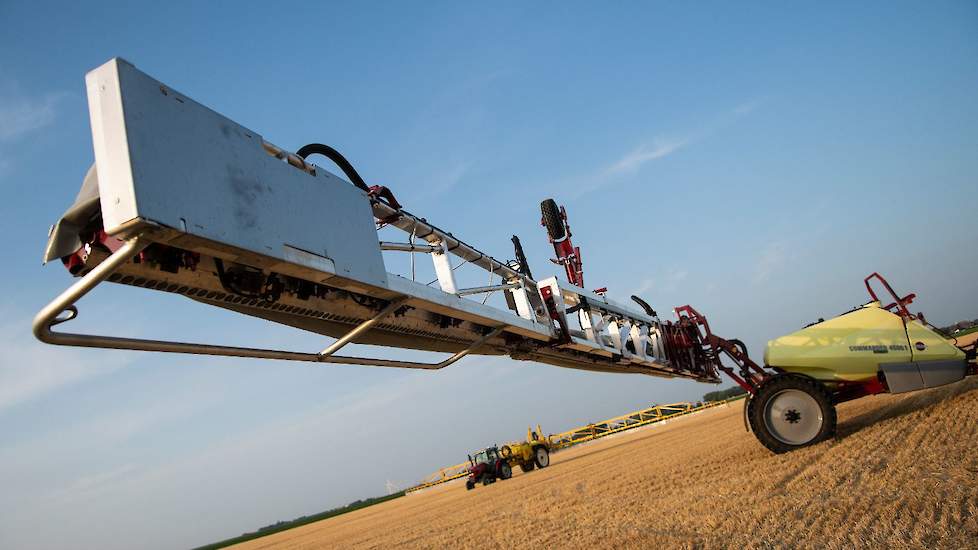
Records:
x=902, y=472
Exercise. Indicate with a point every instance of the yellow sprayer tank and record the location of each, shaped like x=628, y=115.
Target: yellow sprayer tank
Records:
x=858, y=345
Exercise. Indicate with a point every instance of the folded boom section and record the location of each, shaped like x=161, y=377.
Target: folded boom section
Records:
x=185, y=201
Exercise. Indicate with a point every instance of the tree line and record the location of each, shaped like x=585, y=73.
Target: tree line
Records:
x=720, y=395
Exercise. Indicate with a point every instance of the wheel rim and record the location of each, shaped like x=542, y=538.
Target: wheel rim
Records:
x=542, y=457
x=793, y=417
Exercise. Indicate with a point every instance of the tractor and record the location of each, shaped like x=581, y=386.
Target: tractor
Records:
x=494, y=462
x=487, y=466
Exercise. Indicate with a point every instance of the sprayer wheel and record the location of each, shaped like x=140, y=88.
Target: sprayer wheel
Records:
x=790, y=412
x=541, y=456
x=552, y=219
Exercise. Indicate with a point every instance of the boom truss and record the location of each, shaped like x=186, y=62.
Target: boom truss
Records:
x=183, y=200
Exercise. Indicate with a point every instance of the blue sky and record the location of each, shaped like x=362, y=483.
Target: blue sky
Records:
x=755, y=161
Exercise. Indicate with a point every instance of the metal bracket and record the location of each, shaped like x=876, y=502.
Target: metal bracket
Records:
x=64, y=303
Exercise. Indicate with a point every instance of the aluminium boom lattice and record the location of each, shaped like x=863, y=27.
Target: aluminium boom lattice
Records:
x=184, y=200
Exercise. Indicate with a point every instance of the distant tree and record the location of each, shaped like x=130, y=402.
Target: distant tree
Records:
x=720, y=395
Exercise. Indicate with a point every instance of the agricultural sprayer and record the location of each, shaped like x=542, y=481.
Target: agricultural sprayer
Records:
x=183, y=200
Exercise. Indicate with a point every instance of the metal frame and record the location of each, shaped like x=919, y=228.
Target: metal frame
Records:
x=486, y=289
x=65, y=302
x=606, y=326
x=635, y=419
x=227, y=213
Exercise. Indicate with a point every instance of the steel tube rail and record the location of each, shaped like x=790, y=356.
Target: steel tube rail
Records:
x=408, y=247
x=362, y=327
x=48, y=317
x=291, y=158
x=484, y=289
x=422, y=229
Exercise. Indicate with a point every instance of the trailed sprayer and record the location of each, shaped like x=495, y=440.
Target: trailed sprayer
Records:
x=185, y=201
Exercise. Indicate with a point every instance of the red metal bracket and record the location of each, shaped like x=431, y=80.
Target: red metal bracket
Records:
x=378, y=192
x=750, y=375
x=899, y=303
x=548, y=300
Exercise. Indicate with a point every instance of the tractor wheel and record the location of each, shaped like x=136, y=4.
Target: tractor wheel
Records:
x=469, y=485
x=552, y=219
x=541, y=456
x=505, y=471
x=790, y=411
x=486, y=480
x=526, y=466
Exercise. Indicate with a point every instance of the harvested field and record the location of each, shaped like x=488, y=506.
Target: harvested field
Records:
x=902, y=472
x=966, y=339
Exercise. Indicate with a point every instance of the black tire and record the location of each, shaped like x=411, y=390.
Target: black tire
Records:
x=541, y=457
x=747, y=401
x=552, y=219
x=505, y=471
x=527, y=466
x=487, y=480
x=469, y=485
x=790, y=412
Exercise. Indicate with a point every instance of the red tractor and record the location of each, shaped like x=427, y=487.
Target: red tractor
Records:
x=487, y=466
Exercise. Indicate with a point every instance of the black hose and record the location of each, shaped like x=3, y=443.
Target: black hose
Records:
x=336, y=157
x=355, y=179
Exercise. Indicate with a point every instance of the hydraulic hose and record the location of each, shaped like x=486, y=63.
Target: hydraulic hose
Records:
x=337, y=158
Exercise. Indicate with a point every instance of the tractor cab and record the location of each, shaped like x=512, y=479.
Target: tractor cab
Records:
x=490, y=455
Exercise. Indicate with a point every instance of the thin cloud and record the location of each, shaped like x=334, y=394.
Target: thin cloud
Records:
x=772, y=259
x=629, y=164
x=20, y=115
x=450, y=176
x=646, y=285
x=673, y=279
x=659, y=148
x=30, y=369
x=633, y=161
x=747, y=107
x=669, y=281
x=89, y=485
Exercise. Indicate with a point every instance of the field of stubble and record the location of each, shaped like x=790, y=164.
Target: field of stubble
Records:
x=902, y=472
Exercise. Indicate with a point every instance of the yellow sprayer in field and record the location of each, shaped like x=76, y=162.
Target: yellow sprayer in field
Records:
x=534, y=452
x=494, y=463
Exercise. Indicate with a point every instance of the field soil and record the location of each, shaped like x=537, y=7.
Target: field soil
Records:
x=902, y=472
x=966, y=339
